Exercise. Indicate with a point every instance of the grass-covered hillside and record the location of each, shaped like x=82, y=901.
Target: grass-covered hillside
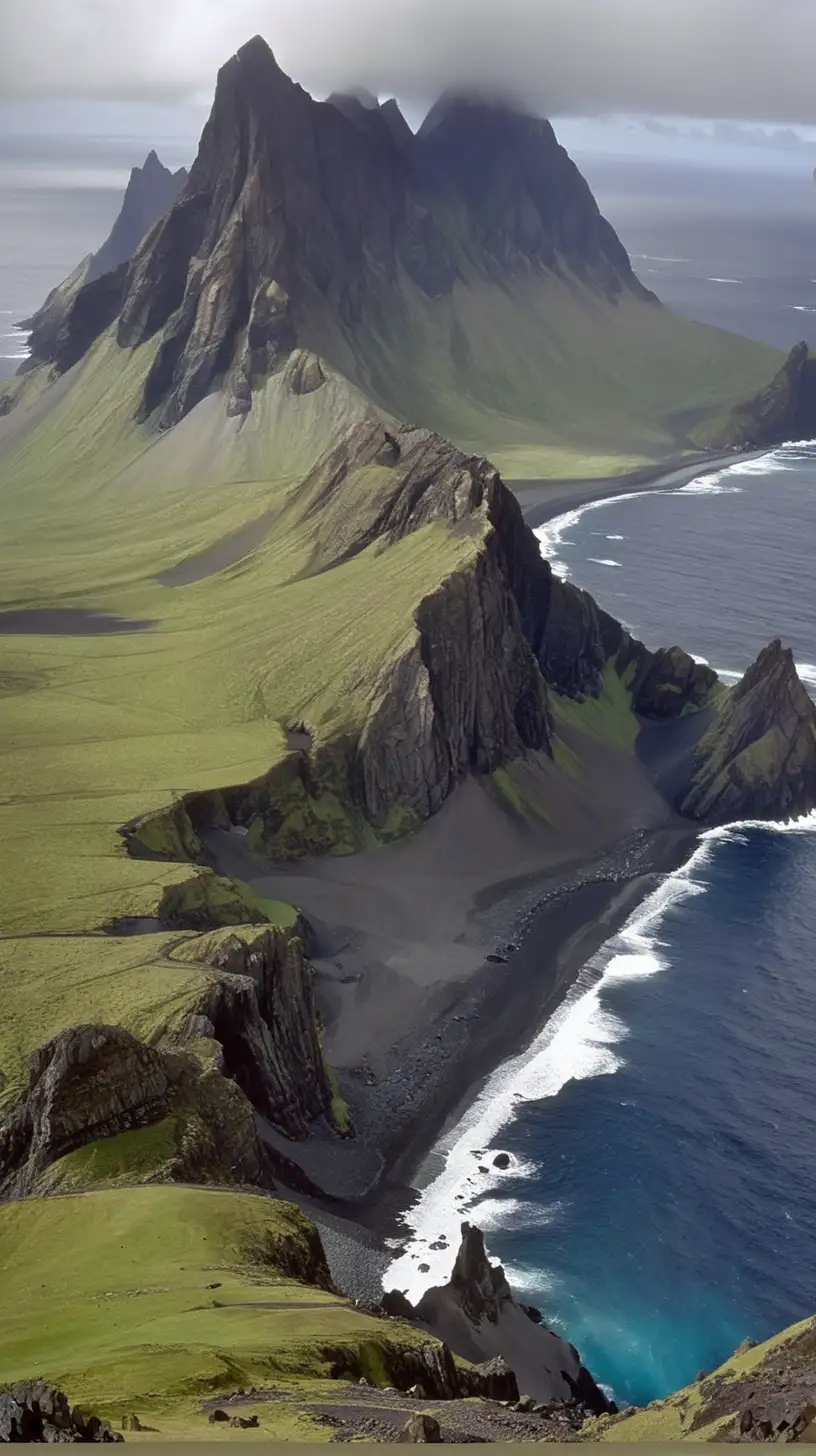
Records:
x=156, y=1302
x=548, y=379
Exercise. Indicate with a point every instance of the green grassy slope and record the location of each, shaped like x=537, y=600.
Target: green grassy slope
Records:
x=99, y=729
x=547, y=379
x=154, y=1300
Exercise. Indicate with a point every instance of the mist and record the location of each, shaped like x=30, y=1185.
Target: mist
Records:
x=736, y=59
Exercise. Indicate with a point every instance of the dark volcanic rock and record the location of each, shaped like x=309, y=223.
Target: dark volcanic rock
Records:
x=478, y=1317
x=35, y=1412
x=757, y=760
x=671, y=683
x=150, y=193
x=784, y=410
x=93, y=1082
x=332, y=203
x=526, y=201
x=261, y=1009
x=64, y=328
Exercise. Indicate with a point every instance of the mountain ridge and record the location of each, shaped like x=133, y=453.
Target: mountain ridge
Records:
x=318, y=699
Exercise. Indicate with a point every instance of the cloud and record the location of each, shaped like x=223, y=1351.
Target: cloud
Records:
x=738, y=59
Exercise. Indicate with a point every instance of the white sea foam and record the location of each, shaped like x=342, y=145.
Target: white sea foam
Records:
x=581, y=1041
x=650, y=258
x=802, y=307
x=726, y=280
x=616, y=538
x=552, y=534
x=603, y=561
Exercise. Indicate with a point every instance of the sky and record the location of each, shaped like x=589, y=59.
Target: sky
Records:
x=651, y=77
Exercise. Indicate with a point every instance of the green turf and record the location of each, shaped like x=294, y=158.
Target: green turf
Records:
x=609, y=717
x=549, y=380
x=151, y=1300
x=101, y=730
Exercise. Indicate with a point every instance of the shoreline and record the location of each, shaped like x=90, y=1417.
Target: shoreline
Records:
x=552, y=920
x=544, y=500
x=561, y=926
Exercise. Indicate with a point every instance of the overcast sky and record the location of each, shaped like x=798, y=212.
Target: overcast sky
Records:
x=728, y=81
x=740, y=59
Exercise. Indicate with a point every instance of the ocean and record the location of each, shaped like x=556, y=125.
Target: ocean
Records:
x=662, y=1128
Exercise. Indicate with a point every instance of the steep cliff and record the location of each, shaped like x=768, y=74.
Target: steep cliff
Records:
x=784, y=410
x=297, y=211
x=91, y=1084
x=757, y=759
x=260, y=1009
x=150, y=193
x=476, y=1314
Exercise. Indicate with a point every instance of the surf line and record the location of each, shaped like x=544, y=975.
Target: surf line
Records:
x=581, y=1040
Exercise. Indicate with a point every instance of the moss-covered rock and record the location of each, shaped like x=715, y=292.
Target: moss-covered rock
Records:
x=757, y=759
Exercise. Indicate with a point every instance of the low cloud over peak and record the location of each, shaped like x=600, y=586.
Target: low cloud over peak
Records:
x=741, y=59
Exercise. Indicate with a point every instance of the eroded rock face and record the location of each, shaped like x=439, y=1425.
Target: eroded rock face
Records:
x=35, y=1412
x=334, y=203
x=262, y=1012
x=785, y=410
x=60, y=332
x=94, y=1082
x=757, y=759
x=478, y=1317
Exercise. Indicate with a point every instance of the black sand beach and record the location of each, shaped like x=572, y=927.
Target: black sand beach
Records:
x=440, y=957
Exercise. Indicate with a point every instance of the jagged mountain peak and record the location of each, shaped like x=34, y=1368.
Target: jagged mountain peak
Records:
x=758, y=757
x=301, y=221
x=353, y=101
x=470, y=107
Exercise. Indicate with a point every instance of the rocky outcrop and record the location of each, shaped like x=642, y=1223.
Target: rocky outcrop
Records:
x=757, y=759
x=525, y=200
x=35, y=1412
x=63, y=329
x=329, y=206
x=477, y=1316
x=785, y=410
x=261, y=1011
x=671, y=683
x=151, y=192
x=95, y=1082
x=762, y=1393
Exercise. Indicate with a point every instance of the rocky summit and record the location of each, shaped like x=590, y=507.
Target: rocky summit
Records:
x=292, y=205
x=757, y=759
x=320, y=784
x=151, y=191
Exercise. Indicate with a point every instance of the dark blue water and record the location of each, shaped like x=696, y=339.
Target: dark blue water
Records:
x=659, y=1205
x=684, y=1183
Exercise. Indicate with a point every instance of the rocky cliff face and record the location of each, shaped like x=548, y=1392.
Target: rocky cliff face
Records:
x=525, y=199
x=297, y=211
x=261, y=1011
x=150, y=193
x=784, y=411
x=63, y=328
x=95, y=1082
x=478, y=1317
x=757, y=759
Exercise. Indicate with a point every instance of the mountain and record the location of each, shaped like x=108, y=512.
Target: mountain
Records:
x=300, y=733
x=785, y=409
x=150, y=193
x=463, y=277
